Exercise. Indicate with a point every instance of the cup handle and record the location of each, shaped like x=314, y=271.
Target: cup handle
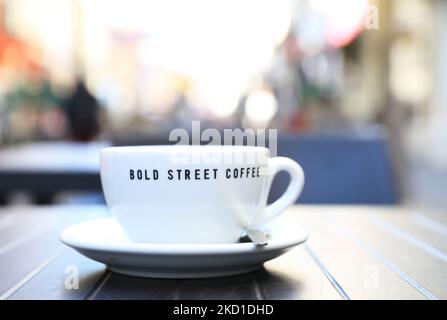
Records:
x=289, y=197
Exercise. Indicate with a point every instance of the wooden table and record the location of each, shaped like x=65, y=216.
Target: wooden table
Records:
x=47, y=168
x=353, y=253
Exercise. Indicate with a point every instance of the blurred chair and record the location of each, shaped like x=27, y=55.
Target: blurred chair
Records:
x=340, y=169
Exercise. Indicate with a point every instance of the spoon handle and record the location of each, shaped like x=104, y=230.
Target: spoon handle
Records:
x=258, y=237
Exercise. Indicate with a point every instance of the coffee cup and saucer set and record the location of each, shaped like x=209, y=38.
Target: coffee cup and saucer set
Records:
x=189, y=211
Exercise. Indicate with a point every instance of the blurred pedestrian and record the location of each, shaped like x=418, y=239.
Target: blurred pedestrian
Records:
x=83, y=117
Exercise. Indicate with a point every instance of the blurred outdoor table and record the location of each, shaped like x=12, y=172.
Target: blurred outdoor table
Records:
x=354, y=252
x=45, y=169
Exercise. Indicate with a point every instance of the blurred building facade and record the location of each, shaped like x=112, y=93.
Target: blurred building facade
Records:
x=297, y=65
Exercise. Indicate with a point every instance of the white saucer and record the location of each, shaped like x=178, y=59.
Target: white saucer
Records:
x=103, y=240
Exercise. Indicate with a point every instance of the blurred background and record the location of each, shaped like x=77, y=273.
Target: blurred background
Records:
x=357, y=90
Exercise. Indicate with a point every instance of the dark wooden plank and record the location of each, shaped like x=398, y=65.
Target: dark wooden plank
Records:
x=366, y=257
x=418, y=225
x=432, y=224
x=360, y=274
x=6, y=222
x=27, y=251
x=239, y=287
x=412, y=258
x=70, y=276
x=14, y=226
x=438, y=215
x=295, y=276
x=37, y=244
x=120, y=287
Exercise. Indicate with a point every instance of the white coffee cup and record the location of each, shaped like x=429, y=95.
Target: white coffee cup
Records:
x=194, y=194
